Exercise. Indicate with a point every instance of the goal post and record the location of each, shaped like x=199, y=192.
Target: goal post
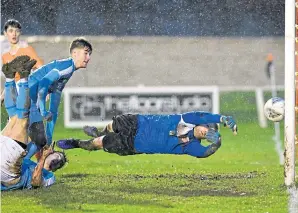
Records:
x=289, y=141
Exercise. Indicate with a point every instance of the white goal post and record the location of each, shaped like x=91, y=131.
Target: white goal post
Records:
x=289, y=141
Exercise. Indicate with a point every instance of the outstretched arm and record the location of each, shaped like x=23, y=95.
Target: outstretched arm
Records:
x=198, y=118
x=196, y=149
x=43, y=89
x=37, y=173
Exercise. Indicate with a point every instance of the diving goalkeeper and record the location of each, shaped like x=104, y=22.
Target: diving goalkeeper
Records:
x=179, y=134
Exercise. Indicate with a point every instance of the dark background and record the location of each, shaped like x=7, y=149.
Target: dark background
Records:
x=147, y=17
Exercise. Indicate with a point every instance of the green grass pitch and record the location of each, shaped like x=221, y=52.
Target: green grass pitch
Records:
x=243, y=176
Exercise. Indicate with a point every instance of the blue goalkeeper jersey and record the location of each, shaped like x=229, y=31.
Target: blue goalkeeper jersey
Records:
x=155, y=133
x=48, y=178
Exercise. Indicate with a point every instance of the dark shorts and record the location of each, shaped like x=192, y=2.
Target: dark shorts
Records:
x=121, y=141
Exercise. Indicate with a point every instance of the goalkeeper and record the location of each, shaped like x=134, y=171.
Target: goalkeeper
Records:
x=179, y=134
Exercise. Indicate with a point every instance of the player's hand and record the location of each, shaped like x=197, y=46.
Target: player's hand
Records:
x=213, y=136
x=229, y=122
x=47, y=115
x=47, y=150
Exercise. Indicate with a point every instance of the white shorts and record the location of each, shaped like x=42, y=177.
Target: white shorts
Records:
x=12, y=155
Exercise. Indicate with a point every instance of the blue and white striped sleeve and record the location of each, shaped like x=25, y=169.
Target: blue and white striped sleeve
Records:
x=43, y=88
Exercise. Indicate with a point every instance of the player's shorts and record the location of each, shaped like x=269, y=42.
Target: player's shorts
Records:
x=12, y=155
x=121, y=141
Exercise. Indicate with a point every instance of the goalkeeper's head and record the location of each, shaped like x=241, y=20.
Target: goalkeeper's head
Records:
x=80, y=51
x=55, y=161
x=201, y=130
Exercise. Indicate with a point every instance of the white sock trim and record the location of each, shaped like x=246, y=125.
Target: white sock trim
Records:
x=9, y=79
x=23, y=80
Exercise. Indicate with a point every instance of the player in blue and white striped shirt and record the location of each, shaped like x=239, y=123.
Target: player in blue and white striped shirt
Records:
x=51, y=79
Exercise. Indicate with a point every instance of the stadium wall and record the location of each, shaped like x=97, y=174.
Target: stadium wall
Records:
x=170, y=61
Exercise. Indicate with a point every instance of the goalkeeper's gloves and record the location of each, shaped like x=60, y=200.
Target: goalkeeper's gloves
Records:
x=229, y=122
x=213, y=136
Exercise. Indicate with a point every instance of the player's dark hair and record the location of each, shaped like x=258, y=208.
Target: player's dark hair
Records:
x=13, y=23
x=58, y=163
x=80, y=43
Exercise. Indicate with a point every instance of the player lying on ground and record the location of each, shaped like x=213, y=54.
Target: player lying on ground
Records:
x=166, y=134
x=17, y=173
x=51, y=79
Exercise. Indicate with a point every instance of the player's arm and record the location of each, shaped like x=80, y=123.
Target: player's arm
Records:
x=54, y=105
x=43, y=89
x=37, y=173
x=198, y=118
x=195, y=148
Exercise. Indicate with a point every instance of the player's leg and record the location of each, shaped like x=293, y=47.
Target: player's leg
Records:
x=121, y=123
x=92, y=131
x=10, y=97
x=34, y=118
x=10, y=105
x=55, y=99
x=90, y=145
x=19, y=131
x=124, y=123
x=36, y=126
x=13, y=147
x=118, y=143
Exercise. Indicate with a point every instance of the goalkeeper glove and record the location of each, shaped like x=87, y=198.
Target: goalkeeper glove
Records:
x=229, y=121
x=213, y=136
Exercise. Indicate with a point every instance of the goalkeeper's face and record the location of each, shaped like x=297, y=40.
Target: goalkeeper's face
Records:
x=200, y=132
x=81, y=57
